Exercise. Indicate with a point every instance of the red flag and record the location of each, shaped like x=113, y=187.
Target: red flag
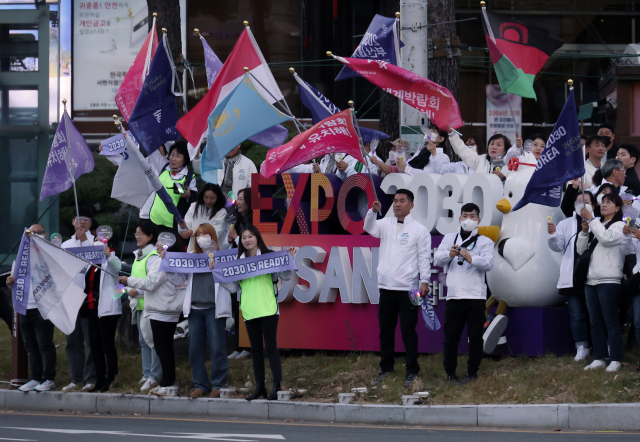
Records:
x=434, y=100
x=132, y=84
x=245, y=53
x=333, y=134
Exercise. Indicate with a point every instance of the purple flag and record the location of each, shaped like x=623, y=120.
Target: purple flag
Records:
x=211, y=62
x=57, y=176
x=21, y=288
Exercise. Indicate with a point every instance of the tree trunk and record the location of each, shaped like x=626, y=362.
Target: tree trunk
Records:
x=442, y=70
x=390, y=115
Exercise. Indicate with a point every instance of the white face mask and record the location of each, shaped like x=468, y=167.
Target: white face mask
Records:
x=205, y=242
x=578, y=207
x=469, y=225
x=392, y=156
x=39, y=236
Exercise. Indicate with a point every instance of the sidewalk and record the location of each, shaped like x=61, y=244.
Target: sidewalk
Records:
x=575, y=417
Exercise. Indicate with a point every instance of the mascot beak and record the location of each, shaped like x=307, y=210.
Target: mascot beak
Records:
x=504, y=206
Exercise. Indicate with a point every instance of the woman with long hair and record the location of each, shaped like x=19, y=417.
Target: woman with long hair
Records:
x=210, y=209
x=259, y=305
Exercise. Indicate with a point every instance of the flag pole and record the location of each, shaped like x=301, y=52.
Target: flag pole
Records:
x=362, y=151
x=399, y=61
x=584, y=203
x=65, y=116
x=69, y=253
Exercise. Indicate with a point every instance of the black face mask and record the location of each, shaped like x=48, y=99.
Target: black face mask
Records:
x=606, y=140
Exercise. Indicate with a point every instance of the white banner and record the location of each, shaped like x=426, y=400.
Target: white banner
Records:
x=106, y=38
x=499, y=119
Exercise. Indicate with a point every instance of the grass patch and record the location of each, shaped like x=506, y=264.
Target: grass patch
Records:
x=508, y=380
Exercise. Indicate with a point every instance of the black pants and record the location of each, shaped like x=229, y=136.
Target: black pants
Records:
x=457, y=314
x=6, y=311
x=163, y=344
x=102, y=335
x=235, y=311
x=394, y=303
x=264, y=328
x=37, y=334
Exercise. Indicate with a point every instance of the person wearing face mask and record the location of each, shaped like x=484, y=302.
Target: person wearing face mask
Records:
x=207, y=306
x=236, y=172
x=607, y=241
x=562, y=239
x=37, y=334
x=475, y=142
x=103, y=313
x=482, y=163
x=608, y=133
x=427, y=159
x=177, y=177
x=259, y=305
x=469, y=256
x=78, y=350
x=210, y=209
x=629, y=155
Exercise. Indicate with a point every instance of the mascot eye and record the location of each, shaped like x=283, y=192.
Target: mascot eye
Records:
x=510, y=194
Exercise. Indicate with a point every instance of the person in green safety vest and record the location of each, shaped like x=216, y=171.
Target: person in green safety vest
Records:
x=178, y=178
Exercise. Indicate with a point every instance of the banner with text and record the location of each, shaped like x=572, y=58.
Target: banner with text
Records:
x=499, y=119
x=177, y=262
x=256, y=265
x=94, y=254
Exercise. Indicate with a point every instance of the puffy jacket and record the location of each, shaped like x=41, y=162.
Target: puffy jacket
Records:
x=563, y=241
x=403, y=255
x=107, y=306
x=607, y=258
x=163, y=292
x=466, y=281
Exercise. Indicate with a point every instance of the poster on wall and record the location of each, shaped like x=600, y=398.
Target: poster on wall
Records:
x=499, y=118
x=106, y=38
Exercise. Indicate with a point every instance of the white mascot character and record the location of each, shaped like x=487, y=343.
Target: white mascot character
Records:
x=526, y=271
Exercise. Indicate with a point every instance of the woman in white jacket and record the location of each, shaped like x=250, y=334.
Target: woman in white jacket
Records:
x=562, y=239
x=210, y=209
x=163, y=300
x=207, y=306
x=602, y=289
x=481, y=163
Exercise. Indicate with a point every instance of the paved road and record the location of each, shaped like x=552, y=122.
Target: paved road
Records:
x=32, y=427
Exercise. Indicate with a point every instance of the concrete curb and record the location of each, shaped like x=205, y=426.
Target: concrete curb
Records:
x=621, y=417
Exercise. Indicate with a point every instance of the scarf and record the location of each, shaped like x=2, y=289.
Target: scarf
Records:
x=227, y=182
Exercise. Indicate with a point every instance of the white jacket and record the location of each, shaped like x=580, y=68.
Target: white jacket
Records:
x=636, y=246
x=435, y=162
x=107, y=306
x=301, y=168
x=403, y=255
x=457, y=167
x=241, y=174
x=563, y=241
x=479, y=163
x=466, y=281
x=594, y=188
x=607, y=258
x=161, y=295
x=351, y=169
x=193, y=220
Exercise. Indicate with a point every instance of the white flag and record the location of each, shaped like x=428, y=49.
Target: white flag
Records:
x=136, y=179
x=52, y=271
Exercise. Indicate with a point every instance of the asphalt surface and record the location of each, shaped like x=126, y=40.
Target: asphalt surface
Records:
x=31, y=427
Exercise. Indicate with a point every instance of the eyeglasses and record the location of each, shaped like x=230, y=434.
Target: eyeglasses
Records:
x=83, y=219
x=138, y=235
x=471, y=144
x=38, y=232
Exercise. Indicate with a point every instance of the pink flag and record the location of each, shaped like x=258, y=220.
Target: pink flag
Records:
x=434, y=100
x=333, y=134
x=132, y=84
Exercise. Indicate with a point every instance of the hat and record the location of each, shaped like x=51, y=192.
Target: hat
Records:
x=370, y=134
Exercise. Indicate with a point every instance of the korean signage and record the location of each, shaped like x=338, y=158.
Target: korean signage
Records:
x=499, y=119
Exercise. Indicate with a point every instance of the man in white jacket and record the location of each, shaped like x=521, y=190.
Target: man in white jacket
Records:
x=405, y=249
x=469, y=256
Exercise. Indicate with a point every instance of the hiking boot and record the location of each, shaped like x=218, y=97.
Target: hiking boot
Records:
x=381, y=376
x=215, y=393
x=195, y=394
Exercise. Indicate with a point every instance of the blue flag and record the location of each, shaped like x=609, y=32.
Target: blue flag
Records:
x=21, y=288
x=240, y=115
x=431, y=321
x=321, y=108
x=380, y=42
x=155, y=115
x=561, y=160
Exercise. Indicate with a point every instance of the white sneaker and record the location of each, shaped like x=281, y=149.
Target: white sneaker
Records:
x=597, y=363
x=149, y=384
x=142, y=381
x=46, y=386
x=234, y=354
x=171, y=391
x=614, y=366
x=29, y=386
x=581, y=354
x=244, y=354
x=70, y=387
x=155, y=389
x=88, y=387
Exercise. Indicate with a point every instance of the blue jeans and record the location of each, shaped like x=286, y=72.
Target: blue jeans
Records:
x=578, y=320
x=203, y=325
x=603, y=301
x=151, y=367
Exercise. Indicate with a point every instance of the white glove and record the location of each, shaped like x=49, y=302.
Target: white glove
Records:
x=230, y=323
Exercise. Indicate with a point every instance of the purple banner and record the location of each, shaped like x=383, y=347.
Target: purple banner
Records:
x=256, y=265
x=22, y=273
x=94, y=254
x=177, y=262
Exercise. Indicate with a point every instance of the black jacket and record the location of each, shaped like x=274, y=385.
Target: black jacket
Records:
x=632, y=182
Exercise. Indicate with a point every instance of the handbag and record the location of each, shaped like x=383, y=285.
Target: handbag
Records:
x=581, y=266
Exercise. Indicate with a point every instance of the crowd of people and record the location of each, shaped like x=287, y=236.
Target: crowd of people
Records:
x=599, y=273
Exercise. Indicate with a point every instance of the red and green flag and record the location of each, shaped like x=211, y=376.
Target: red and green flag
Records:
x=518, y=51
